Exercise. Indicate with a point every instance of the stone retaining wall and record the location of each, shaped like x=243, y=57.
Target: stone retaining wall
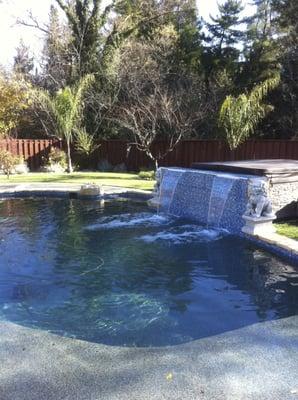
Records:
x=284, y=197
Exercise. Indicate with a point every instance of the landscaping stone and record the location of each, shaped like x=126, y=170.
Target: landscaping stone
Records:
x=90, y=190
x=120, y=168
x=21, y=169
x=53, y=168
x=104, y=166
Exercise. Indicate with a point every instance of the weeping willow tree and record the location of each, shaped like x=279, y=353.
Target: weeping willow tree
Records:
x=64, y=111
x=239, y=116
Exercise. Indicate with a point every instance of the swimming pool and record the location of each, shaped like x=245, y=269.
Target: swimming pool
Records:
x=116, y=273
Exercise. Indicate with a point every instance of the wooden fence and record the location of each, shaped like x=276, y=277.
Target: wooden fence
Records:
x=33, y=151
x=187, y=152
x=190, y=151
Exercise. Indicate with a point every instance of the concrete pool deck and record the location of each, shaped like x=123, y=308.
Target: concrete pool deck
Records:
x=257, y=362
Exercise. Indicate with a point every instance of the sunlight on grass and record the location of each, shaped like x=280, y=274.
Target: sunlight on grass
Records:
x=101, y=178
x=289, y=229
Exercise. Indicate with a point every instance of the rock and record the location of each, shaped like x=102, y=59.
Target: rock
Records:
x=53, y=168
x=104, y=166
x=120, y=168
x=90, y=190
x=21, y=169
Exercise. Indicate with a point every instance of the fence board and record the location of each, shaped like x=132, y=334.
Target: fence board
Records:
x=187, y=152
x=31, y=150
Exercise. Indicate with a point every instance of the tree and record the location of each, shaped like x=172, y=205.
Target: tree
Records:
x=261, y=53
x=286, y=100
x=57, y=54
x=14, y=100
x=8, y=162
x=23, y=62
x=189, y=27
x=164, y=114
x=66, y=110
x=144, y=19
x=86, y=21
x=155, y=104
x=239, y=116
x=223, y=39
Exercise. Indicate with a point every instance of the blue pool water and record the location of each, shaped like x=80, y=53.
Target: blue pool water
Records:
x=118, y=274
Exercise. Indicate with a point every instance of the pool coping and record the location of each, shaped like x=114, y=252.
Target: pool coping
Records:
x=281, y=246
x=68, y=191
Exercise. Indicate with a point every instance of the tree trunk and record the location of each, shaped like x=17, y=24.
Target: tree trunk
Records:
x=154, y=159
x=69, y=163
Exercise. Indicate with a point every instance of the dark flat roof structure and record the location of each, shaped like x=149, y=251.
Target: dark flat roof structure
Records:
x=278, y=170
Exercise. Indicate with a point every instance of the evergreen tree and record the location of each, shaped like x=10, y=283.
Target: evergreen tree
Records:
x=23, y=62
x=261, y=50
x=188, y=27
x=148, y=20
x=57, y=54
x=224, y=39
x=286, y=100
x=86, y=22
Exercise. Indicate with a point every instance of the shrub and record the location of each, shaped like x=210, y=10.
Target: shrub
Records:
x=14, y=99
x=57, y=156
x=85, y=143
x=147, y=175
x=239, y=116
x=8, y=162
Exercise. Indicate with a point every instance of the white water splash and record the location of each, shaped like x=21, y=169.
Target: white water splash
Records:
x=185, y=234
x=129, y=221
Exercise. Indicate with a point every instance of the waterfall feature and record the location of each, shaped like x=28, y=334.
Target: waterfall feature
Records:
x=168, y=189
x=215, y=199
x=220, y=191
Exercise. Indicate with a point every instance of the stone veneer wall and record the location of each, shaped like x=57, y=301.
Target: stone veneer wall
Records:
x=284, y=197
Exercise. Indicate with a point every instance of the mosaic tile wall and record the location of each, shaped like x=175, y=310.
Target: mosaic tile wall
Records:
x=210, y=198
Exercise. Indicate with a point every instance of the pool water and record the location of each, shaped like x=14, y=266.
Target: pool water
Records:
x=116, y=273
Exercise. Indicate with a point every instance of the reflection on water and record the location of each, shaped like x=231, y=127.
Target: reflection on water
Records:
x=121, y=275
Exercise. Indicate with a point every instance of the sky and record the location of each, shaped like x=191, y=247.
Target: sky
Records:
x=11, y=34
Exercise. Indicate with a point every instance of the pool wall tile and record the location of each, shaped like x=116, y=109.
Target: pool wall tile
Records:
x=208, y=198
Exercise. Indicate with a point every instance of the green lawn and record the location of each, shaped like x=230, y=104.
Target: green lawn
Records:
x=101, y=178
x=289, y=229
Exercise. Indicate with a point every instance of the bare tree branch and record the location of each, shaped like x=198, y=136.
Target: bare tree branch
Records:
x=33, y=23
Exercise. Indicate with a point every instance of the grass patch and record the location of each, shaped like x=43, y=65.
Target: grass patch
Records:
x=289, y=229
x=127, y=180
